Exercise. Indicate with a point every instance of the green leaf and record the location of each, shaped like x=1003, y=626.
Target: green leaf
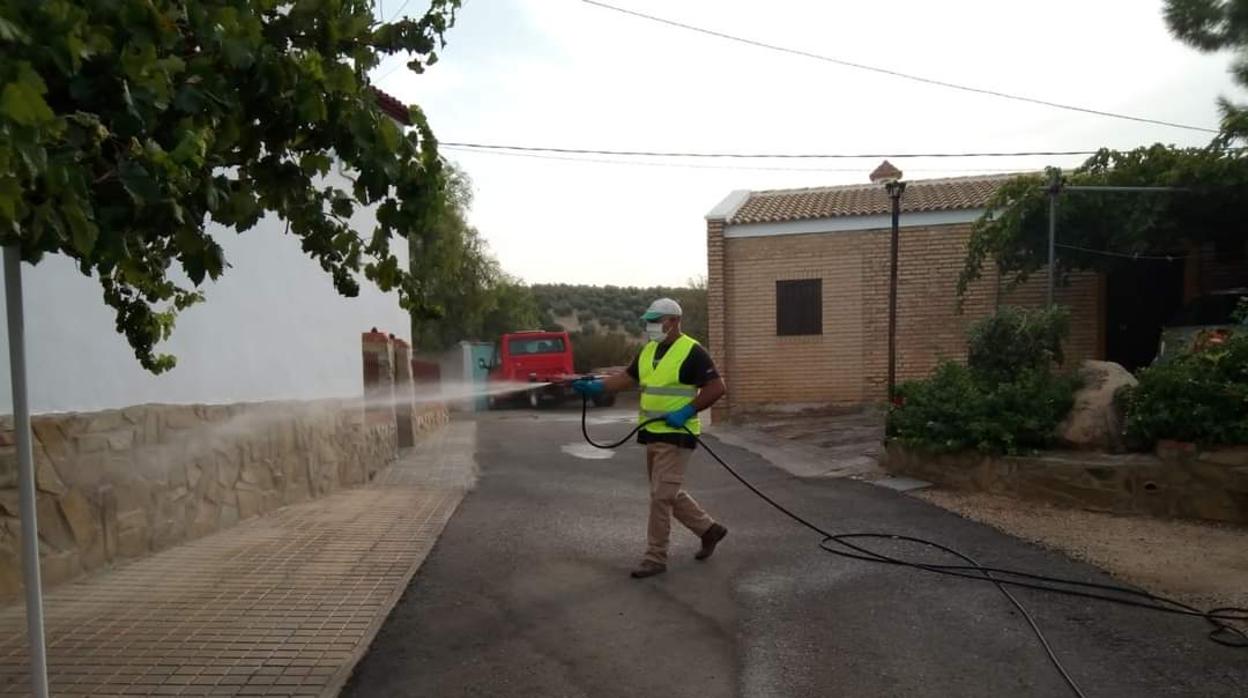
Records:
x=190, y=148
x=244, y=204
x=47, y=220
x=342, y=206
x=315, y=163
x=83, y=233
x=22, y=100
x=214, y=258
x=238, y=52
x=12, y=33
x=138, y=182
x=312, y=106
x=189, y=99
x=10, y=198
x=341, y=78
x=389, y=134
x=193, y=265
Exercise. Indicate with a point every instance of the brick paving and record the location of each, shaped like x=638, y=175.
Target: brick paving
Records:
x=280, y=605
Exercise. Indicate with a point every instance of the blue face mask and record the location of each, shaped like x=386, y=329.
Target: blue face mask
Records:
x=654, y=331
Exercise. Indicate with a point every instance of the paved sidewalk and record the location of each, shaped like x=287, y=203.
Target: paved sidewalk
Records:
x=280, y=605
x=825, y=442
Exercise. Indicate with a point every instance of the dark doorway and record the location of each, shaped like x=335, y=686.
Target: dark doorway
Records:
x=1140, y=296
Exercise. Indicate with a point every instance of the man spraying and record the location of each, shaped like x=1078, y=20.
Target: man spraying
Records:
x=677, y=380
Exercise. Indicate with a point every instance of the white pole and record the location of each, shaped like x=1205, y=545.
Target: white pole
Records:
x=26, y=471
x=1055, y=188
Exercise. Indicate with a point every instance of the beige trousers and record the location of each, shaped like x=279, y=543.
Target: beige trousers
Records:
x=665, y=465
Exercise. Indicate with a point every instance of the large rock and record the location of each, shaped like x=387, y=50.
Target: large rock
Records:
x=59, y=567
x=10, y=503
x=132, y=533
x=250, y=503
x=53, y=530
x=1095, y=422
x=8, y=467
x=46, y=477
x=81, y=517
x=10, y=570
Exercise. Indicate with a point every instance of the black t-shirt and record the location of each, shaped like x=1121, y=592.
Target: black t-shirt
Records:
x=697, y=369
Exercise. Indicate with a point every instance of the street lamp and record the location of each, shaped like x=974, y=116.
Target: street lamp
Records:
x=890, y=177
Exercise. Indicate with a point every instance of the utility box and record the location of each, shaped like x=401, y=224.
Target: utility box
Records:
x=465, y=374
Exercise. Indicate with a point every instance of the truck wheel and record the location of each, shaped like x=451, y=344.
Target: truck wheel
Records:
x=604, y=400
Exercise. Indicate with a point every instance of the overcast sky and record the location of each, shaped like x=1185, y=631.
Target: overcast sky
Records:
x=564, y=73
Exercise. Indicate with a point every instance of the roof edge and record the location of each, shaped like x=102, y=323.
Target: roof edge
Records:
x=729, y=206
x=392, y=107
x=852, y=224
x=909, y=182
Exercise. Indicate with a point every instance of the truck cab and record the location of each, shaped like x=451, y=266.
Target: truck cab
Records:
x=533, y=357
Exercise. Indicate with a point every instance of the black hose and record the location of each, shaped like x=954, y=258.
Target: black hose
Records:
x=1223, y=632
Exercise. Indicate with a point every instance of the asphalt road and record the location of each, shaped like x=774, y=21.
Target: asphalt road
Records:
x=527, y=594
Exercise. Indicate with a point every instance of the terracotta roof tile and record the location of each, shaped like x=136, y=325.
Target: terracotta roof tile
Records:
x=958, y=193
x=392, y=107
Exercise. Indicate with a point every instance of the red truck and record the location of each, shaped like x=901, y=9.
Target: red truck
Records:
x=536, y=357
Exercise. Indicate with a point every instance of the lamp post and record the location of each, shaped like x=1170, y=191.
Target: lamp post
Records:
x=1055, y=188
x=890, y=177
x=26, y=472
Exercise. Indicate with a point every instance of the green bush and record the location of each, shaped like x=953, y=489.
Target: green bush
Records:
x=601, y=349
x=1198, y=396
x=1017, y=339
x=1007, y=399
x=623, y=306
x=956, y=410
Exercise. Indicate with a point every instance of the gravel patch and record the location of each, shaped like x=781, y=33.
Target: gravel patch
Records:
x=1202, y=564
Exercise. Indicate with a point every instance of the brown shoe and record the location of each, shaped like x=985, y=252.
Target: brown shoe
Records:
x=710, y=539
x=647, y=569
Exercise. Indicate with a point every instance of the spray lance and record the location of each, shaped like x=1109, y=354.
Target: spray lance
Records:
x=854, y=546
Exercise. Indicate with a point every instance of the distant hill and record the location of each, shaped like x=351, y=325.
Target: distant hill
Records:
x=616, y=309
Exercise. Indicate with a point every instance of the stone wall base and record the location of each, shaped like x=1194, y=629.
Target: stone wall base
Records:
x=120, y=484
x=1179, y=481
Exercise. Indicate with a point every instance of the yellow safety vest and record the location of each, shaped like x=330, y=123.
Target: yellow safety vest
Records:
x=661, y=389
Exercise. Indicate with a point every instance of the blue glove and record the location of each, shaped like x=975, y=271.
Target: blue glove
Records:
x=588, y=387
x=677, y=419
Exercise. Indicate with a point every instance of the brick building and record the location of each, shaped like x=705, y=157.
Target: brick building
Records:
x=798, y=289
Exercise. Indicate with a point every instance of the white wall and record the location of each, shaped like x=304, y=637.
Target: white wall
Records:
x=273, y=327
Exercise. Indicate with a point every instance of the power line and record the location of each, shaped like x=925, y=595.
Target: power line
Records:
x=399, y=11
x=1126, y=255
x=790, y=156
x=898, y=74
x=392, y=71
x=686, y=165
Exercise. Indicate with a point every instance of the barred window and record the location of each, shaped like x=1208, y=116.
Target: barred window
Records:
x=799, y=307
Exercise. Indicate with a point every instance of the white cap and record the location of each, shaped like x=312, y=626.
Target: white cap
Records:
x=662, y=308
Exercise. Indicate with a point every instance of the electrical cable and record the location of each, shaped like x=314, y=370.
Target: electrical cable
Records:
x=787, y=156
x=402, y=63
x=731, y=168
x=399, y=11
x=1220, y=618
x=897, y=73
x=392, y=71
x=1124, y=255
